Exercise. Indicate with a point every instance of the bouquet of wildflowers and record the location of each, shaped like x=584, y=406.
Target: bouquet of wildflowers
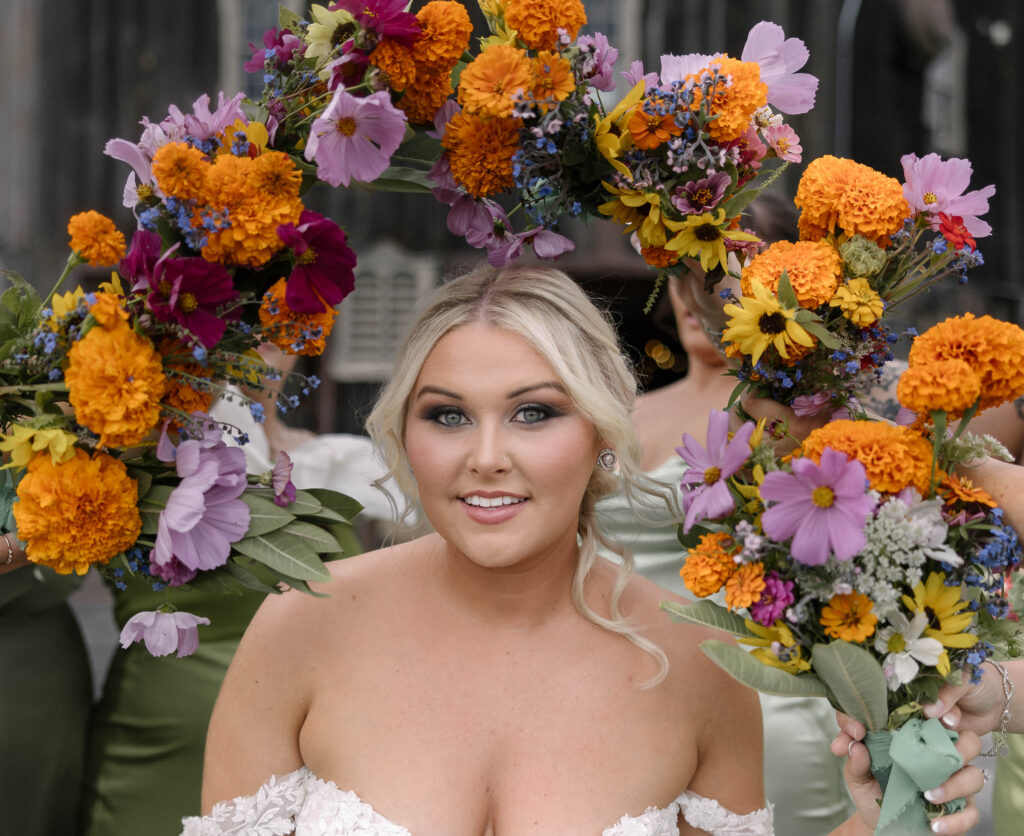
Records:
x=861, y=567
x=808, y=325
x=674, y=161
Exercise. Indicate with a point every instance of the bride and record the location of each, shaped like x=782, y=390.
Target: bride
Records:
x=496, y=678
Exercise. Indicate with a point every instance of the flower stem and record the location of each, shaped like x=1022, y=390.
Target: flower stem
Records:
x=73, y=261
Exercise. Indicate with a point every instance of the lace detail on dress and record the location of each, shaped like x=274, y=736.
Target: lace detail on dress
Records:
x=303, y=804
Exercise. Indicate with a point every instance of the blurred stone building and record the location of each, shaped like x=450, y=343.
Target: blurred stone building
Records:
x=895, y=76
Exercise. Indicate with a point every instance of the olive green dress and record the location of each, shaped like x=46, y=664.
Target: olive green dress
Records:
x=45, y=696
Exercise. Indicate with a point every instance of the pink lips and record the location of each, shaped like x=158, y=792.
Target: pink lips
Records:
x=492, y=515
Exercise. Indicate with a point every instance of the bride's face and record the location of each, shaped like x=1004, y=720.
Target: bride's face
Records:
x=500, y=453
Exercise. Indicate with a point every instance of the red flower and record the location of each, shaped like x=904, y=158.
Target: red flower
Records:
x=954, y=231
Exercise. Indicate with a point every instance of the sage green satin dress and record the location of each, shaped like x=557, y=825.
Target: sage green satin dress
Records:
x=803, y=779
x=1008, y=792
x=45, y=697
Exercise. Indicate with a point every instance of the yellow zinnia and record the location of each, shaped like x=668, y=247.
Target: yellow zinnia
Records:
x=849, y=617
x=776, y=647
x=858, y=302
x=760, y=321
x=944, y=606
x=704, y=237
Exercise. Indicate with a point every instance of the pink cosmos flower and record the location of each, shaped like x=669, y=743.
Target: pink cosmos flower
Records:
x=815, y=404
x=599, y=62
x=164, y=632
x=776, y=596
x=281, y=46
x=823, y=507
x=636, y=72
x=546, y=244
x=281, y=480
x=704, y=485
x=354, y=138
x=203, y=515
x=483, y=223
x=191, y=292
x=934, y=186
x=783, y=140
x=779, y=58
x=324, y=263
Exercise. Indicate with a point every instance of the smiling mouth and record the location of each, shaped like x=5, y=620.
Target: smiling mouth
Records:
x=492, y=502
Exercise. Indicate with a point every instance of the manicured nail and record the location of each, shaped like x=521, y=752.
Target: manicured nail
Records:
x=949, y=721
x=933, y=710
x=934, y=796
x=938, y=826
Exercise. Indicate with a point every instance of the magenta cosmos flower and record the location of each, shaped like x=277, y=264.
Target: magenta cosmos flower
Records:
x=204, y=514
x=779, y=58
x=281, y=480
x=164, y=632
x=191, y=292
x=388, y=18
x=324, y=262
x=599, y=61
x=935, y=186
x=823, y=507
x=354, y=138
x=706, y=493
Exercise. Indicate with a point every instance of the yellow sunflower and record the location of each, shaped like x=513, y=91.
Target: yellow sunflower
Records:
x=760, y=321
x=704, y=237
x=638, y=212
x=944, y=607
x=610, y=144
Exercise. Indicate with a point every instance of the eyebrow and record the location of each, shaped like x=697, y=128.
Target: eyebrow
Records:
x=548, y=384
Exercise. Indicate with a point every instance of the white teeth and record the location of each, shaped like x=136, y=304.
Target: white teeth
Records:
x=494, y=502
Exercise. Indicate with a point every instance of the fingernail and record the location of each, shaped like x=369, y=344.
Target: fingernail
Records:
x=935, y=795
x=949, y=721
x=938, y=826
x=933, y=710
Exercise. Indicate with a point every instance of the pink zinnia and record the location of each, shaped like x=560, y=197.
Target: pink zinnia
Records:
x=779, y=58
x=823, y=507
x=775, y=597
x=705, y=489
x=934, y=186
x=324, y=263
x=354, y=138
x=783, y=140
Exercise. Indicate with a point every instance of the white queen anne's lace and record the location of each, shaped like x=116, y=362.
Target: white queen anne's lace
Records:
x=302, y=804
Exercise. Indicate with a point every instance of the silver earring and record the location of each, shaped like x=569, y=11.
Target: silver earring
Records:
x=606, y=459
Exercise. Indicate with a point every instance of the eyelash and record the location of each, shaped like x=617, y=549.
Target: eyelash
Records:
x=437, y=414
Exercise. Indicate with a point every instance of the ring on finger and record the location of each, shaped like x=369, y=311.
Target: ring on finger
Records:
x=849, y=749
x=985, y=774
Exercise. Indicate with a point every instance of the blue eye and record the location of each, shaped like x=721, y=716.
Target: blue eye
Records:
x=533, y=413
x=447, y=416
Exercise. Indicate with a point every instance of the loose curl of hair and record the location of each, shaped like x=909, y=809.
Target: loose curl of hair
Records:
x=547, y=309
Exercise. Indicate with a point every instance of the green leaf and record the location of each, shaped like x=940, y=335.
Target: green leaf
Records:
x=264, y=514
x=305, y=504
x=397, y=178
x=341, y=504
x=302, y=586
x=856, y=680
x=785, y=292
x=743, y=667
x=247, y=571
x=814, y=327
x=707, y=614
x=285, y=555
x=419, y=146
x=151, y=505
x=316, y=538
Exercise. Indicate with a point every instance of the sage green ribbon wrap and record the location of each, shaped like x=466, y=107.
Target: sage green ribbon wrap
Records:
x=918, y=756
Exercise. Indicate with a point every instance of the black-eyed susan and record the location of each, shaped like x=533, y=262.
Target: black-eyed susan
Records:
x=944, y=607
x=760, y=321
x=705, y=237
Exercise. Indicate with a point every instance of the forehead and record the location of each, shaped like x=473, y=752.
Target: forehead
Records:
x=480, y=357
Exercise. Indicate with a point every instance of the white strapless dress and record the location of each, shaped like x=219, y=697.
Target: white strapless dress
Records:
x=302, y=804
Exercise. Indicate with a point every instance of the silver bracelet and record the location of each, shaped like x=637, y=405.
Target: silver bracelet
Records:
x=1000, y=746
x=10, y=550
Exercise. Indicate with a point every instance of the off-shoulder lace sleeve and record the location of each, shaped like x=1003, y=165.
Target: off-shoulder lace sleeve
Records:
x=712, y=817
x=270, y=812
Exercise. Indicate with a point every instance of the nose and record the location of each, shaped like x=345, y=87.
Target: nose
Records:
x=488, y=451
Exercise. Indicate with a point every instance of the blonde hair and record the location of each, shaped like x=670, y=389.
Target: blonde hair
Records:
x=555, y=316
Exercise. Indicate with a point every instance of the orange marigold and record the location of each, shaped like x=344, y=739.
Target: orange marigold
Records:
x=814, y=269
x=490, y=84
x=894, y=457
x=956, y=489
x=659, y=256
x=96, y=239
x=840, y=194
x=187, y=382
x=115, y=383
x=294, y=333
x=992, y=348
x=446, y=29
x=259, y=194
x=180, y=170
x=107, y=310
x=553, y=80
x=74, y=514
x=849, y=617
x=537, y=21
x=397, y=61
x=708, y=564
x=951, y=385
x=735, y=101
x=480, y=152
x=424, y=98
x=745, y=586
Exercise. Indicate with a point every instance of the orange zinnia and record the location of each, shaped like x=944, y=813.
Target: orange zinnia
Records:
x=708, y=564
x=553, y=79
x=650, y=128
x=814, y=269
x=956, y=489
x=849, y=617
x=745, y=586
x=490, y=85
